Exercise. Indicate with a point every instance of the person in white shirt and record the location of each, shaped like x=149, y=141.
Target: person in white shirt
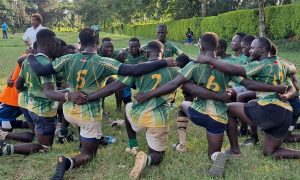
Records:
x=30, y=35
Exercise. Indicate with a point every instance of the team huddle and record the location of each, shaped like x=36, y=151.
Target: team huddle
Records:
x=222, y=93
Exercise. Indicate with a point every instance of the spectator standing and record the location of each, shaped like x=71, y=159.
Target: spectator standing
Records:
x=30, y=35
x=4, y=29
x=189, y=35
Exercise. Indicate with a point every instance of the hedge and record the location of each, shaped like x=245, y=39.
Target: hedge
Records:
x=65, y=29
x=281, y=22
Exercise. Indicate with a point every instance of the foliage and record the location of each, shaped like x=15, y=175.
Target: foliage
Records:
x=281, y=22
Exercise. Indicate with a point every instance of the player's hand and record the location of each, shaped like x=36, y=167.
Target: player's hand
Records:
x=171, y=62
x=78, y=98
x=281, y=89
x=283, y=97
x=31, y=58
x=30, y=50
x=225, y=96
x=10, y=82
x=140, y=97
x=202, y=59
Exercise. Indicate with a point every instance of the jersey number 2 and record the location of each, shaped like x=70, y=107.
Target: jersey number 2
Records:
x=158, y=79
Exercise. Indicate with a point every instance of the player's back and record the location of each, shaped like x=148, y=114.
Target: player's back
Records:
x=86, y=72
x=212, y=79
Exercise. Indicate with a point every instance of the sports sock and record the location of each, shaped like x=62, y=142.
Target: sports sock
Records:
x=132, y=143
x=8, y=149
x=255, y=136
x=148, y=163
x=69, y=164
x=214, y=156
x=64, y=131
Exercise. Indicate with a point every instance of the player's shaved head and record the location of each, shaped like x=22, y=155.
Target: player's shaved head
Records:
x=155, y=47
x=88, y=37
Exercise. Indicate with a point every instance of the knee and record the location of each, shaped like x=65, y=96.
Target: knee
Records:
x=156, y=157
x=267, y=151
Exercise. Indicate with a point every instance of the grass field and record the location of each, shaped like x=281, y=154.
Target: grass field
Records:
x=113, y=163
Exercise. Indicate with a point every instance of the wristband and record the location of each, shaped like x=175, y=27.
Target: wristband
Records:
x=67, y=98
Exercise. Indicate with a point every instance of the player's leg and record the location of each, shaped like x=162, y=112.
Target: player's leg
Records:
x=8, y=116
x=235, y=111
x=271, y=146
x=63, y=135
x=90, y=135
x=182, y=122
x=119, y=98
x=21, y=136
x=44, y=132
x=214, y=133
x=131, y=131
x=295, y=103
x=245, y=97
x=157, y=143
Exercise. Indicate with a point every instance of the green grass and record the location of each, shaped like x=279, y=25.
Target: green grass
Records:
x=113, y=163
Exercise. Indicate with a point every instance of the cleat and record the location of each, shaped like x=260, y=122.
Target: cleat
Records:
x=140, y=164
x=250, y=142
x=118, y=123
x=2, y=145
x=106, y=140
x=178, y=147
x=60, y=168
x=61, y=139
x=217, y=169
x=132, y=151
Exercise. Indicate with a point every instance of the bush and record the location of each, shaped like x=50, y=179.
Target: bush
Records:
x=281, y=22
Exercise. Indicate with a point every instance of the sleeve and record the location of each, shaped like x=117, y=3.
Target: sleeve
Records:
x=59, y=63
x=25, y=35
x=47, y=79
x=144, y=47
x=290, y=67
x=176, y=50
x=111, y=65
x=253, y=68
x=22, y=72
x=288, y=82
x=237, y=79
x=188, y=70
x=128, y=80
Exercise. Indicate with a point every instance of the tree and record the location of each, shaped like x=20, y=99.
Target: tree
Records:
x=203, y=7
x=262, y=25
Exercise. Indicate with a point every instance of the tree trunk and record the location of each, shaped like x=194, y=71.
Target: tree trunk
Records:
x=203, y=7
x=262, y=26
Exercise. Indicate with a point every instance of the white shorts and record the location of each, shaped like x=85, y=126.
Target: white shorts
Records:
x=157, y=137
x=88, y=129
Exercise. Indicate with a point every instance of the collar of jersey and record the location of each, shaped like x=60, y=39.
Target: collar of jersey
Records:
x=41, y=54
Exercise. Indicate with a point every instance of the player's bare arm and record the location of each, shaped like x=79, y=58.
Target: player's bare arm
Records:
x=107, y=90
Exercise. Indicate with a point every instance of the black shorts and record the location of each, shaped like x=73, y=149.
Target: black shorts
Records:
x=273, y=119
x=295, y=103
x=212, y=126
